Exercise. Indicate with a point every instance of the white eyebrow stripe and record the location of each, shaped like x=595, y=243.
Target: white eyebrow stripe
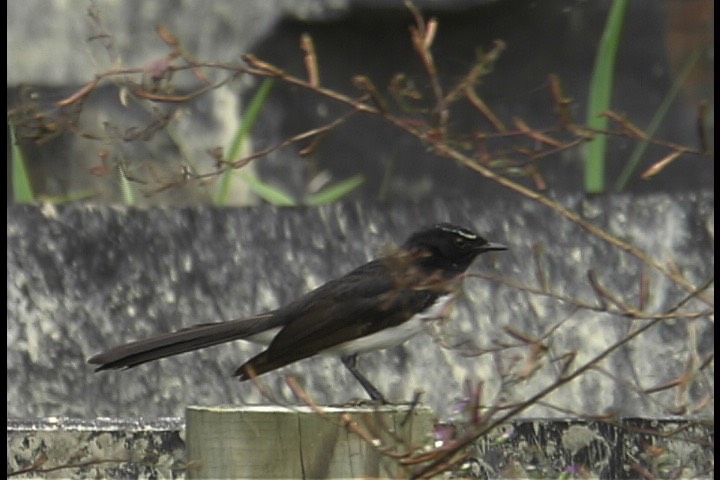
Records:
x=462, y=232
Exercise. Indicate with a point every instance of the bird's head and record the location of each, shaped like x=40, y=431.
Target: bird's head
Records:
x=448, y=248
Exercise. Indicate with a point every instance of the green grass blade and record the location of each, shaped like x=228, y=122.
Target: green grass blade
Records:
x=235, y=151
x=599, y=97
x=657, y=119
x=250, y=117
x=126, y=189
x=267, y=192
x=22, y=189
x=335, y=192
x=71, y=197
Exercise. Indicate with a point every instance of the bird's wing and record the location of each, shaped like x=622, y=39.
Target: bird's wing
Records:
x=363, y=302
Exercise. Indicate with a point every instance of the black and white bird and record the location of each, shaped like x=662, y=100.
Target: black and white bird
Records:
x=378, y=305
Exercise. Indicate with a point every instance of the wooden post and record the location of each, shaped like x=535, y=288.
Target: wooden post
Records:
x=298, y=442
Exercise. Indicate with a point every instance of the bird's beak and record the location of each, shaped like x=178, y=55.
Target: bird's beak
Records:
x=491, y=247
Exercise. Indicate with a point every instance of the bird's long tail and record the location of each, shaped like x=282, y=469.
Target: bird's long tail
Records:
x=181, y=341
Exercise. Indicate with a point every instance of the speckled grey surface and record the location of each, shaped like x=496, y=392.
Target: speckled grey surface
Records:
x=97, y=448
x=83, y=278
x=528, y=448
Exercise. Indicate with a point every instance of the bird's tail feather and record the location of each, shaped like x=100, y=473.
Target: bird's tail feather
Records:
x=181, y=341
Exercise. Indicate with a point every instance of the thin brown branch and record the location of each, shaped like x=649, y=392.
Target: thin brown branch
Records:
x=445, y=150
x=660, y=165
x=141, y=92
x=638, y=315
x=561, y=381
x=484, y=109
x=603, y=294
x=80, y=94
x=589, y=132
x=524, y=128
x=628, y=127
x=422, y=36
x=368, y=87
x=701, y=129
x=287, y=142
x=267, y=70
x=682, y=378
x=482, y=67
x=562, y=103
x=311, y=66
x=86, y=89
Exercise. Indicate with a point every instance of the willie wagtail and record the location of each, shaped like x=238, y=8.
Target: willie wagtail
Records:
x=378, y=305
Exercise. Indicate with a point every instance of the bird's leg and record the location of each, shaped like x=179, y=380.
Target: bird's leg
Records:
x=350, y=362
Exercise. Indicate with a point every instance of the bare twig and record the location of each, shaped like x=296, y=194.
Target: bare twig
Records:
x=308, y=46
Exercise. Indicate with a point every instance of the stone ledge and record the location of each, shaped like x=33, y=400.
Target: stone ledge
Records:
x=537, y=448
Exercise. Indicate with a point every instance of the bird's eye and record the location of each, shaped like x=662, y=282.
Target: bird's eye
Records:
x=460, y=242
